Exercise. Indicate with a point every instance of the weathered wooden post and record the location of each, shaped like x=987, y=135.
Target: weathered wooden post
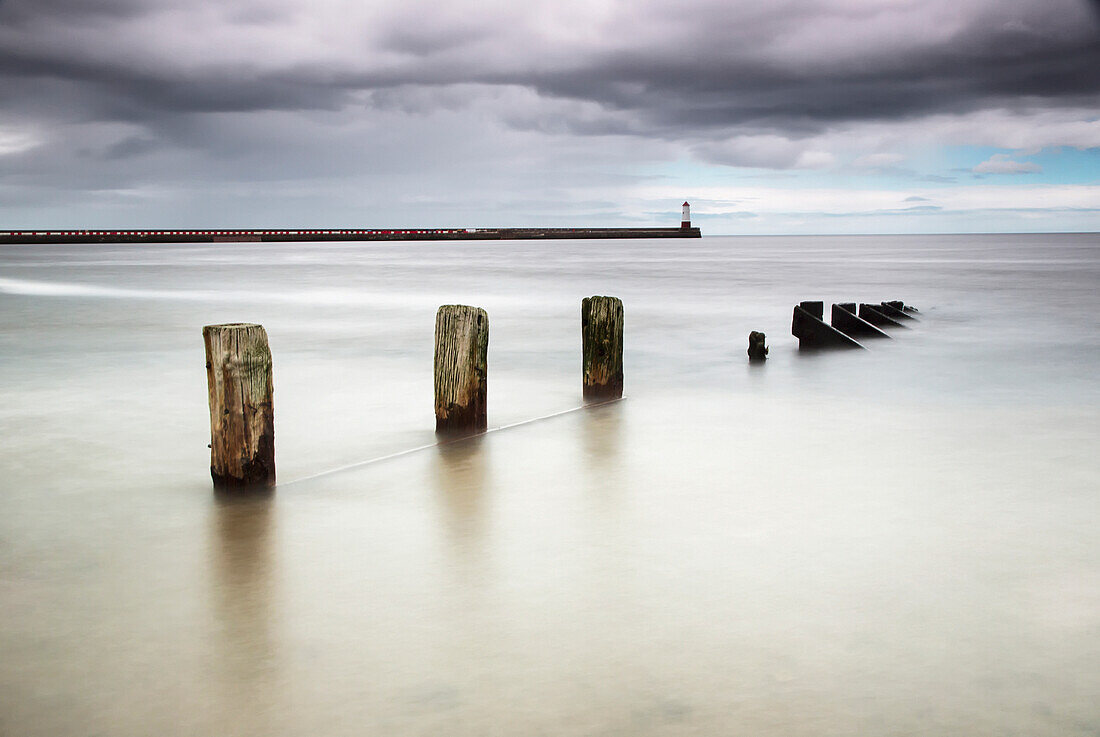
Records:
x=461, y=369
x=242, y=419
x=602, y=348
x=758, y=351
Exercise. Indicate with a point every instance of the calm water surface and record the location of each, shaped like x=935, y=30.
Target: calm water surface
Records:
x=898, y=541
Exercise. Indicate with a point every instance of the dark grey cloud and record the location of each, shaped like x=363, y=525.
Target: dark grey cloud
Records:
x=757, y=69
x=997, y=66
x=25, y=12
x=130, y=146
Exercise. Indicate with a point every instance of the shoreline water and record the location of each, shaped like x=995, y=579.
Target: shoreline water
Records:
x=901, y=540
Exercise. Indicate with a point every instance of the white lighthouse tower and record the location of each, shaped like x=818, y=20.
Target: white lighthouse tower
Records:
x=685, y=218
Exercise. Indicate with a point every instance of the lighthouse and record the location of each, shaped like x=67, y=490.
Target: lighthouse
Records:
x=685, y=218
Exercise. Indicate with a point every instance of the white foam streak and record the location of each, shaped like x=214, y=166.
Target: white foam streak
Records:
x=27, y=287
x=313, y=297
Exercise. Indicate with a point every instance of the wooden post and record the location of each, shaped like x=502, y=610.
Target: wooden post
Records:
x=461, y=369
x=602, y=348
x=758, y=351
x=242, y=420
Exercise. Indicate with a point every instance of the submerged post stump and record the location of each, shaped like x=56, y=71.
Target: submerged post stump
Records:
x=242, y=419
x=602, y=348
x=758, y=351
x=461, y=369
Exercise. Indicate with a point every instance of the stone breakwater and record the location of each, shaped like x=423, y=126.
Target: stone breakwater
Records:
x=310, y=234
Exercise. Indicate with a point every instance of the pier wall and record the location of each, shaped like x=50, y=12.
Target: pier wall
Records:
x=309, y=235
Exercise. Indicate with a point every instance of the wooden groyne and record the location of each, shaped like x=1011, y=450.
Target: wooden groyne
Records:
x=239, y=374
x=813, y=333
x=845, y=320
x=893, y=311
x=305, y=235
x=874, y=315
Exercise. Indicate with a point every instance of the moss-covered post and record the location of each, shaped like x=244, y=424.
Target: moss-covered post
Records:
x=602, y=348
x=242, y=419
x=461, y=369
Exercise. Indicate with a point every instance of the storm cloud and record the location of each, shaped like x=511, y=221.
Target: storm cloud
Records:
x=148, y=96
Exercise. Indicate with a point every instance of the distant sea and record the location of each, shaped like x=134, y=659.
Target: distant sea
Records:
x=896, y=541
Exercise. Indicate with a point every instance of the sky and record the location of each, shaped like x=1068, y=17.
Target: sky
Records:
x=769, y=116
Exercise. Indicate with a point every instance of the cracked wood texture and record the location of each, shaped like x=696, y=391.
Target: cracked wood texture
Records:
x=242, y=421
x=461, y=369
x=602, y=348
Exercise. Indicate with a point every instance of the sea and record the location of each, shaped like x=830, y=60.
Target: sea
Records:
x=896, y=541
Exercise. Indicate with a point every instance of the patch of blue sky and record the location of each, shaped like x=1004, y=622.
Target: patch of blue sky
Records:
x=1056, y=165
x=1066, y=165
x=947, y=166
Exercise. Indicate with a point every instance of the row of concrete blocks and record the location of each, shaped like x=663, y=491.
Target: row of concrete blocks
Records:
x=849, y=326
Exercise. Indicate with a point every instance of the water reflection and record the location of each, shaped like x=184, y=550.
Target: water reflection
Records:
x=459, y=471
x=601, y=432
x=601, y=435
x=242, y=553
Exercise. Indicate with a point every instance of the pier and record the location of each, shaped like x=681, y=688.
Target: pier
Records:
x=337, y=234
